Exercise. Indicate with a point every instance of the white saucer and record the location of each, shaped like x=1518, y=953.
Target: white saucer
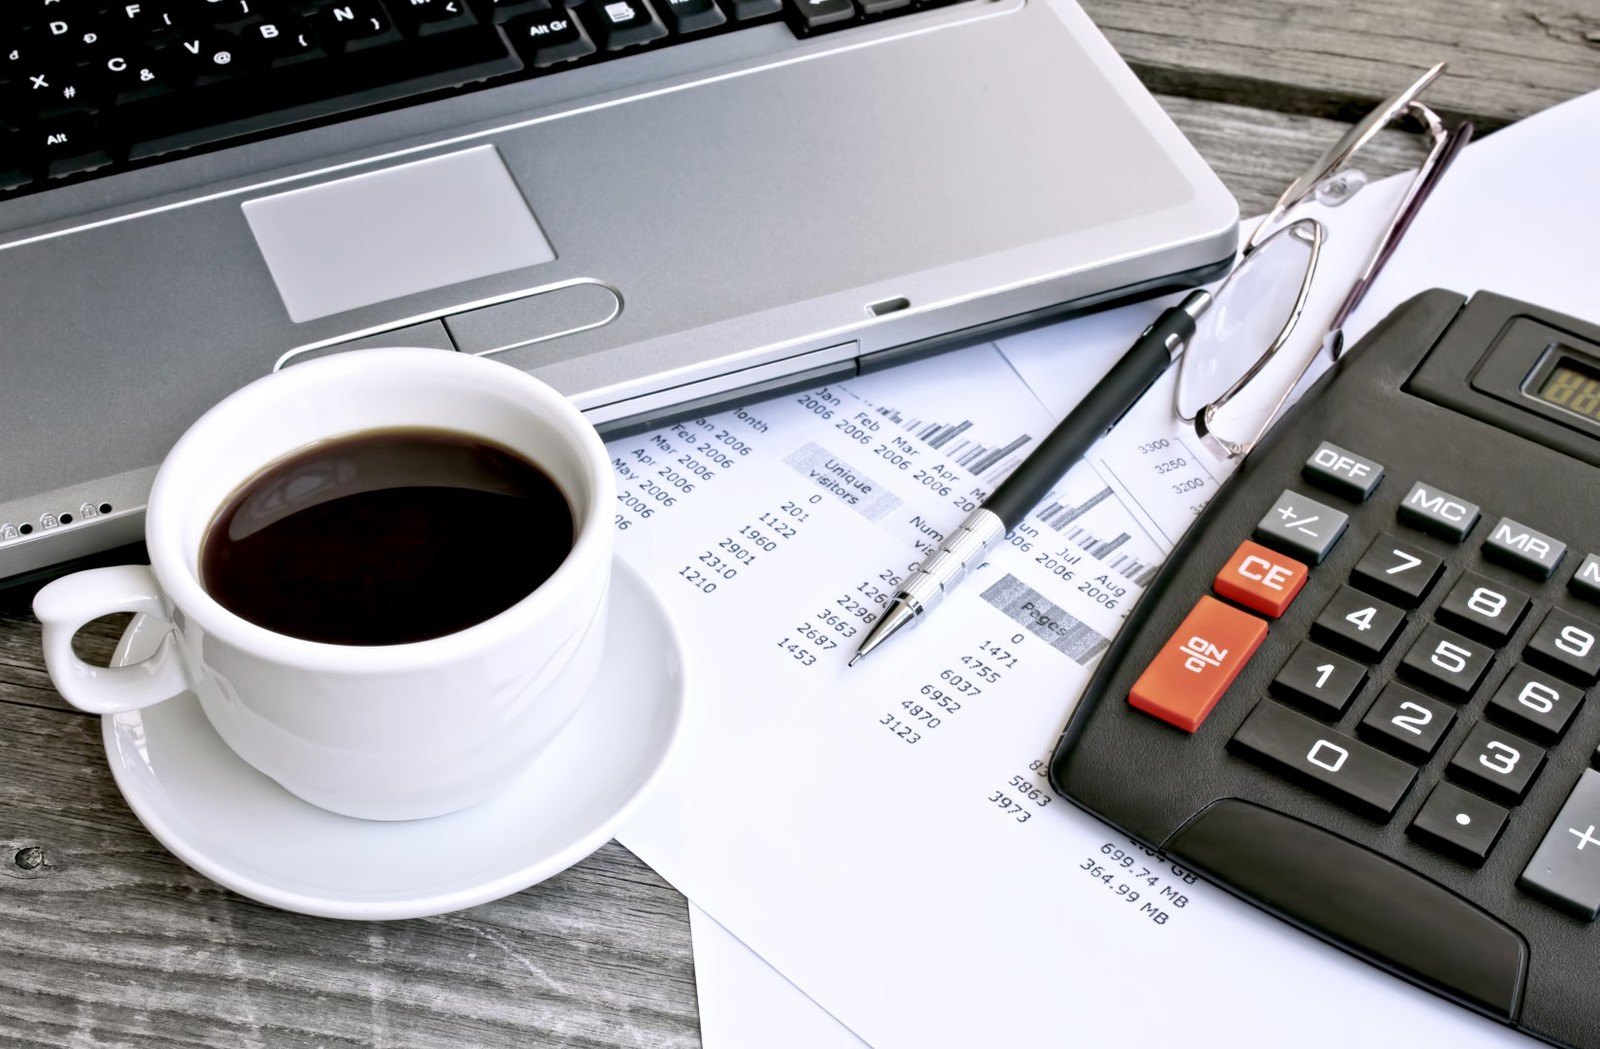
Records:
x=242, y=830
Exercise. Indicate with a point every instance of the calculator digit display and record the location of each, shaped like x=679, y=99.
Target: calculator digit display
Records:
x=1578, y=391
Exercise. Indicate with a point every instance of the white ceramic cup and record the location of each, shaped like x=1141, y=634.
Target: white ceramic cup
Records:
x=379, y=732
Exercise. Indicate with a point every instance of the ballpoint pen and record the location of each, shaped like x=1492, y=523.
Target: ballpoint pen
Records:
x=1135, y=371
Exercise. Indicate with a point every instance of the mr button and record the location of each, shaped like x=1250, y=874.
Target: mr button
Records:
x=1261, y=579
x=1197, y=664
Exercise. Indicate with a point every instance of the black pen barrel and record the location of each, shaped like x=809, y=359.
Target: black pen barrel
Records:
x=1133, y=374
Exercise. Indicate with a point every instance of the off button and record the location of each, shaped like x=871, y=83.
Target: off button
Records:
x=1343, y=473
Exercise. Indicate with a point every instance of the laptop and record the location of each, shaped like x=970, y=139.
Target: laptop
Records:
x=659, y=207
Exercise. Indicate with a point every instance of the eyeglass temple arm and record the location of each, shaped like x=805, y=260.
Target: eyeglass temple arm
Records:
x=1357, y=136
x=1443, y=156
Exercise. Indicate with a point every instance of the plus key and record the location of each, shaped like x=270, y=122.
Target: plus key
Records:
x=1565, y=869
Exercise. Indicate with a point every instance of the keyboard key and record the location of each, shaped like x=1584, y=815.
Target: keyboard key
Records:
x=814, y=14
x=69, y=145
x=13, y=173
x=72, y=89
x=744, y=10
x=878, y=7
x=505, y=10
x=625, y=23
x=1483, y=608
x=1518, y=546
x=431, y=17
x=1566, y=644
x=1585, y=582
x=692, y=16
x=1397, y=571
x=1260, y=579
x=1535, y=703
x=1407, y=723
x=1494, y=762
x=1334, y=764
x=285, y=42
x=357, y=25
x=1318, y=680
x=1565, y=869
x=1343, y=473
x=549, y=38
x=1197, y=664
x=1446, y=663
x=1438, y=512
x=1359, y=624
x=1458, y=823
x=1301, y=527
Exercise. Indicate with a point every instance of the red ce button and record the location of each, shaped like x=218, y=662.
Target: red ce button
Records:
x=1261, y=579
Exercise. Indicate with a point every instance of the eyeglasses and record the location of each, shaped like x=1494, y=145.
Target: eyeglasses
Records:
x=1264, y=298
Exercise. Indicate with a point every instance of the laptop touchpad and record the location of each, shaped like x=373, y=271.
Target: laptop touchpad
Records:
x=377, y=236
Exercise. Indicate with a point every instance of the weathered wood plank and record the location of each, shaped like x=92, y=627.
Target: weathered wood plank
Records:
x=1257, y=152
x=110, y=941
x=1336, y=58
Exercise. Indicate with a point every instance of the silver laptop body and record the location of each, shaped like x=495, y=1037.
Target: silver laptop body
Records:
x=666, y=233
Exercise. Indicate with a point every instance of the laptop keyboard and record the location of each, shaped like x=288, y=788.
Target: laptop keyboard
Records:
x=91, y=87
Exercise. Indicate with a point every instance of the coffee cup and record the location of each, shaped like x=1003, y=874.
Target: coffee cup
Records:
x=386, y=731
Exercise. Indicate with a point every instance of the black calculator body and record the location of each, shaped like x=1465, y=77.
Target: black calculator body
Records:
x=1360, y=696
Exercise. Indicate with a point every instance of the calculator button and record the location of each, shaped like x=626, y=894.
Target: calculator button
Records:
x=1343, y=473
x=1565, y=869
x=1301, y=527
x=1407, y=723
x=1480, y=606
x=1340, y=766
x=1438, y=512
x=1318, y=680
x=1567, y=645
x=1447, y=663
x=1494, y=762
x=1359, y=624
x=1197, y=664
x=1400, y=572
x=1260, y=579
x=1461, y=824
x=1585, y=582
x=1518, y=546
x=1535, y=703
x=1362, y=901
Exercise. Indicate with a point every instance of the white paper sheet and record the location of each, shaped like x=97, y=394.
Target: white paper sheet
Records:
x=919, y=888
x=746, y=1003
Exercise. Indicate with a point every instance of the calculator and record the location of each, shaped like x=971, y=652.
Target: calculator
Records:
x=1360, y=693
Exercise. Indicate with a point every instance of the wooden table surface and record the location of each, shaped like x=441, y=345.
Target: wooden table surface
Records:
x=107, y=940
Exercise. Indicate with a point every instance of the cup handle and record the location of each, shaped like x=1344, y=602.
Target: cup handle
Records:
x=66, y=604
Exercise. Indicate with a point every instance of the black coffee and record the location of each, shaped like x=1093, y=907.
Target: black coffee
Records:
x=385, y=537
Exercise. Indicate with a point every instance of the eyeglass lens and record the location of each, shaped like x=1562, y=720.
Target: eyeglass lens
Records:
x=1252, y=312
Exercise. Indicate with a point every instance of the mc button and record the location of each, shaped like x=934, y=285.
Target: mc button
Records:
x=1441, y=513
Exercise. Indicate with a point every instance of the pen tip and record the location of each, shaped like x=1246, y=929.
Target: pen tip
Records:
x=854, y=659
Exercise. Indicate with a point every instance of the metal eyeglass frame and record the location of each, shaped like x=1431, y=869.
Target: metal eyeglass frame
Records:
x=1333, y=163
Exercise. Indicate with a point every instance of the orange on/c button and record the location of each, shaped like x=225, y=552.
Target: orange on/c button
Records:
x=1197, y=664
x=1261, y=579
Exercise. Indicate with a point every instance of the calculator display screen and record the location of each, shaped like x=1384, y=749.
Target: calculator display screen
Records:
x=1568, y=387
